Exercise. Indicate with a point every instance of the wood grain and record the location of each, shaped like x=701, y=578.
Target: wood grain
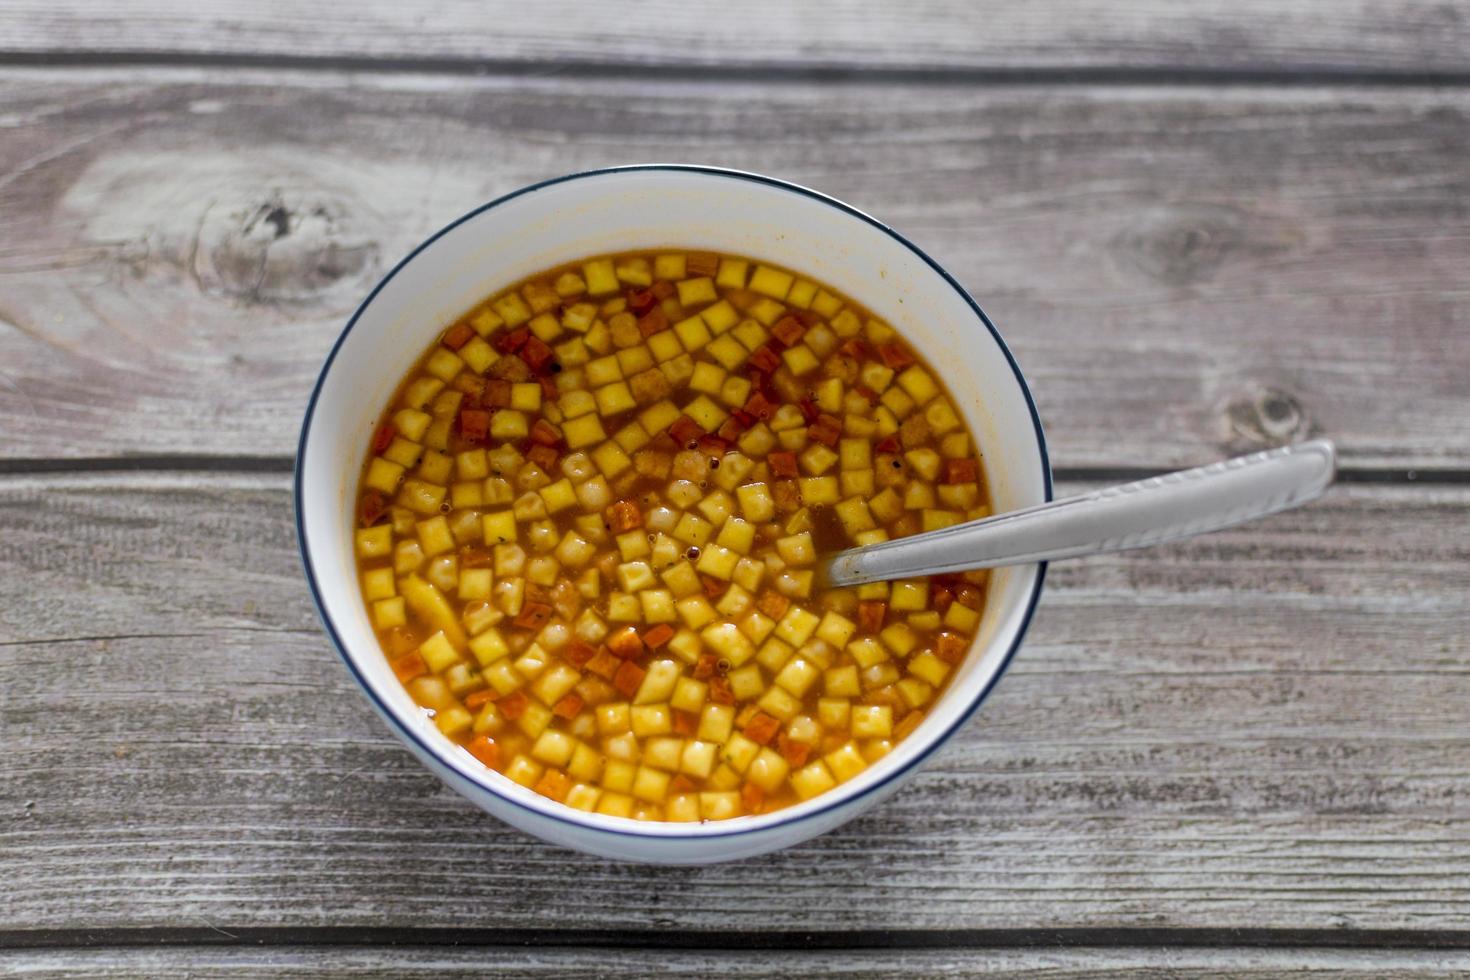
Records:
x=1411, y=36
x=307, y=963
x=1262, y=728
x=1181, y=272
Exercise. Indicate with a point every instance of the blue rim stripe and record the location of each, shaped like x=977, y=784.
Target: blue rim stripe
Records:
x=411, y=738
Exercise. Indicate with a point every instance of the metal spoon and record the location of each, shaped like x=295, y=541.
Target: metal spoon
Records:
x=1134, y=515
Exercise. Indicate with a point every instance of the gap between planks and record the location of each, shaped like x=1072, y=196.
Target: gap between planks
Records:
x=683, y=939
x=773, y=73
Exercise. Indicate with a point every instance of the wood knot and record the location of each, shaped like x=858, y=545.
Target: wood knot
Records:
x=1181, y=246
x=1262, y=417
x=283, y=247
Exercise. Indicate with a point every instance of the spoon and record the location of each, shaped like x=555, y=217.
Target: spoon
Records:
x=1133, y=515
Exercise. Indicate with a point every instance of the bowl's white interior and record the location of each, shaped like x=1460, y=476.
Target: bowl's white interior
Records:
x=634, y=209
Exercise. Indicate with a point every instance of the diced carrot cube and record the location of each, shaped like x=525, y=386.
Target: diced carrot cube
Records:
x=759, y=406
x=787, y=495
x=604, y=664
x=809, y=410
x=783, y=465
x=513, y=705
x=548, y=387
x=762, y=728
x=794, y=753
x=704, y=667
x=577, y=653
x=628, y=678
x=658, y=636
x=622, y=516
x=888, y=445
x=713, y=587
x=826, y=430
x=543, y=433
x=713, y=446
x=374, y=506
x=788, y=330
x=474, y=424
x=950, y=647
x=701, y=264
x=894, y=356
x=409, y=666
x=652, y=322
x=960, y=471
x=765, y=359
x=719, y=690
x=684, y=722
x=383, y=438
x=969, y=596
x=909, y=723
x=457, y=336
x=625, y=643
x=731, y=428
x=476, y=700
x=496, y=394
x=773, y=604
x=513, y=340
x=753, y=797
x=640, y=301
x=554, y=784
x=568, y=707
x=681, y=784
x=483, y=747
x=870, y=614
x=543, y=456
x=685, y=430
x=534, y=615
x=537, y=354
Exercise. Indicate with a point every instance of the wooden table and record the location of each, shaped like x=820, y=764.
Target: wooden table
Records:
x=1205, y=228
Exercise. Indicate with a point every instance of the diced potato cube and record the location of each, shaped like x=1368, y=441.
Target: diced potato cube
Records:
x=818, y=490
x=695, y=611
x=768, y=770
x=696, y=292
x=962, y=618
x=383, y=475
x=909, y=594
x=474, y=583
x=773, y=282
x=707, y=378
x=689, y=695
x=779, y=702
x=601, y=277
x=507, y=425
x=737, y=535
x=650, y=784
x=665, y=346
x=929, y=667
x=716, y=722
x=388, y=613
x=575, y=404
x=438, y=653
x=669, y=265
x=756, y=502
x=658, y=683
x=811, y=780
x=919, y=385
x=833, y=712
x=797, y=626
x=704, y=411
x=434, y=536
x=872, y=721
x=559, y=496
x=717, y=562
x=899, y=638
x=798, y=676
x=746, y=682
x=732, y=273
x=375, y=542
x=692, y=333
x=729, y=352
x=554, y=748
x=663, y=753
x=499, y=528
x=867, y=651
x=614, y=398
x=582, y=797
x=835, y=629
x=738, y=752
x=800, y=360
x=845, y=762
x=578, y=432
x=797, y=549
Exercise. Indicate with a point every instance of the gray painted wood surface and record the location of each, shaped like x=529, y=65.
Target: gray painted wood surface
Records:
x=1204, y=228
x=1408, y=36
x=1260, y=727
x=1181, y=273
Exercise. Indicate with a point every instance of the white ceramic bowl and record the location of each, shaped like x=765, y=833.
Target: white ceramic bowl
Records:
x=641, y=208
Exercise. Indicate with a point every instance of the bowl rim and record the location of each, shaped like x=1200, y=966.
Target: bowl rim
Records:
x=664, y=830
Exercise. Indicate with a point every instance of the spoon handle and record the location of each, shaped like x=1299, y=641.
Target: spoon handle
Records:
x=1133, y=515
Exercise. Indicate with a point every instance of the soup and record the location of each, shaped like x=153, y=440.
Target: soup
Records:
x=590, y=519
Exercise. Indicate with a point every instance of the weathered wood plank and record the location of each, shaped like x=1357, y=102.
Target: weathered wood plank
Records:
x=1262, y=729
x=1180, y=272
x=1394, y=35
x=1059, y=964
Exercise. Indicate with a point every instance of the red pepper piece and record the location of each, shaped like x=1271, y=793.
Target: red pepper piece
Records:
x=457, y=336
